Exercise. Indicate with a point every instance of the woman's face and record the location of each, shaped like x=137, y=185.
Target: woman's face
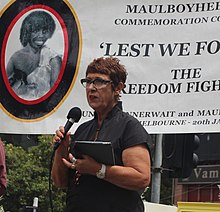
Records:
x=38, y=38
x=101, y=99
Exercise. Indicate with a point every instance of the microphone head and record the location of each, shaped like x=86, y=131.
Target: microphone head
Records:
x=75, y=113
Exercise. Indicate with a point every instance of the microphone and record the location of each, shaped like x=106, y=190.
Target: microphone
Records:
x=73, y=116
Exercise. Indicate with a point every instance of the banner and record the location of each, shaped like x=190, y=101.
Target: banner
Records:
x=171, y=50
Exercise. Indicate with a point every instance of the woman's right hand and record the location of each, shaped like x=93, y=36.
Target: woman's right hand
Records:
x=59, y=137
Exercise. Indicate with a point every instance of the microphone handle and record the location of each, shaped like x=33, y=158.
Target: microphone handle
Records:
x=67, y=126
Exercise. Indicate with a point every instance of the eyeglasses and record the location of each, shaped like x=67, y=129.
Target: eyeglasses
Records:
x=97, y=83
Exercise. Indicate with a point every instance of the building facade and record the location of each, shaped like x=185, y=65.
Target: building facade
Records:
x=203, y=185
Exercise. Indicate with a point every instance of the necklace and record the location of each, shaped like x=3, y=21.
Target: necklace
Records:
x=96, y=134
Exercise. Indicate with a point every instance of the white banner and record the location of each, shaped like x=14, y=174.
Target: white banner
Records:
x=171, y=50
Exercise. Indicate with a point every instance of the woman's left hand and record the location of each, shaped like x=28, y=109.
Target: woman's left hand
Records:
x=86, y=165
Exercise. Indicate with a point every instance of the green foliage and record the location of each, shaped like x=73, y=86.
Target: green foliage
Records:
x=28, y=177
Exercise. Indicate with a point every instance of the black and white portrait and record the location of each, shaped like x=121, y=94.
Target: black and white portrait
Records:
x=34, y=67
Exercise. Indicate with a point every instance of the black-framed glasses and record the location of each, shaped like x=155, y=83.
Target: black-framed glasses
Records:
x=97, y=83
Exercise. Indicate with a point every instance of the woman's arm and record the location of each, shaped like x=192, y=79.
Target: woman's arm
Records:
x=136, y=172
x=134, y=175
x=59, y=171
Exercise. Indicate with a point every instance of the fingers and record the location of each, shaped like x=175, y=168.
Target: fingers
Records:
x=68, y=164
x=87, y=165
x=73, y=166
x=72, y=158
x=71, y=163
x=59, y=135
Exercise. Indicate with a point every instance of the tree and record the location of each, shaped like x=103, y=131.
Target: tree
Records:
x=28, y=177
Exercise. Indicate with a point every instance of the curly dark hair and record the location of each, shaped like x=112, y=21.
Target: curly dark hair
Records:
x=110, y=66
x=35, y=21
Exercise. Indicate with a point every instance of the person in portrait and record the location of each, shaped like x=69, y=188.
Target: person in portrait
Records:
x=33, y=70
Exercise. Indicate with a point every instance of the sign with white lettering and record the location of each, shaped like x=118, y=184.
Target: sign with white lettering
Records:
x=203, y=174
x=171, y=50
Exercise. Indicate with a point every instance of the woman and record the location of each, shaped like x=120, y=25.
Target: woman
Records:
x=95, y=187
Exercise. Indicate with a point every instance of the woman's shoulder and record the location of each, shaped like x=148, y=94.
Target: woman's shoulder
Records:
x=126, y=116
x=84, y=125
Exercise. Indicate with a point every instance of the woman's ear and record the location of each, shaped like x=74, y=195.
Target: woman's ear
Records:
x=119, y=87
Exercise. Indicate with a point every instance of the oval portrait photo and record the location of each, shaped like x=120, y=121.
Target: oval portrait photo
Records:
x=36, y=69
